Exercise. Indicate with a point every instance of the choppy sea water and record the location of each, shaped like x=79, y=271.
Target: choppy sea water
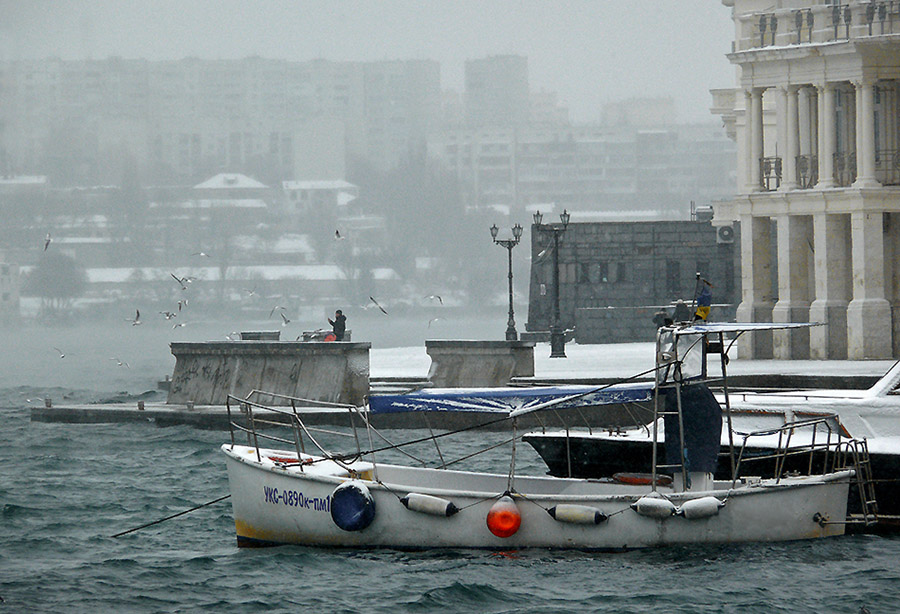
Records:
x=65, y=489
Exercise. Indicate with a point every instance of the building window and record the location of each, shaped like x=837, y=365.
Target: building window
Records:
x=673, y=277
x=603, y=272
x=584, y=273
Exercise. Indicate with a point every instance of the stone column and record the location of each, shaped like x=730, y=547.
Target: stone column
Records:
x=781, y=96
x=748, y=174
x=791, y=138
x=865, y=135
x=756, y=285
x=827, y=136
x=756, y=137
x=833, y=275
x=805, y=145
x=794, y=239
x=869, y=313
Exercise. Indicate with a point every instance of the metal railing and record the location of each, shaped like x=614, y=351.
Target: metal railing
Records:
x=770, y=173
x=826, y=449
x=258, y=421
x=807, y=171
x=887, y=166
x=845, y=168
x=261, y=422
x=821, y=23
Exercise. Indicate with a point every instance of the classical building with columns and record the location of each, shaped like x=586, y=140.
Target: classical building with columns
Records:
x=816, y=117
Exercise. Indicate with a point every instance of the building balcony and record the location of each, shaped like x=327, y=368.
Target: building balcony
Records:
x=817, y=21
x=887, y=170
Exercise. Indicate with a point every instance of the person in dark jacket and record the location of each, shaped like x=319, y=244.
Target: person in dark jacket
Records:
x=338, y=325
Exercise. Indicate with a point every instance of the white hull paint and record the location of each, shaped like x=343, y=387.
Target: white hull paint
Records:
x=275, y=504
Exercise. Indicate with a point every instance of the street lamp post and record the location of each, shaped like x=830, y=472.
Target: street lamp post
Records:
x=557, y=335
x=509, y=244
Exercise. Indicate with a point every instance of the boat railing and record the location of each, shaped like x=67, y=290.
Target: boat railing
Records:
x=258, y=421
x=786, y=456
x=826, y=449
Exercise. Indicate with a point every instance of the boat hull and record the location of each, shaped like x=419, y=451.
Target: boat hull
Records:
x=592, y=457
x=277, y=504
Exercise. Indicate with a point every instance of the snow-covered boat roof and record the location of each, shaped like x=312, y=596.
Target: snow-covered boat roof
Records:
x=706, y=328
x=511, y=401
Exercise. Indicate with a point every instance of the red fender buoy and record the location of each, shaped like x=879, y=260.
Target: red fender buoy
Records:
x=504, y=519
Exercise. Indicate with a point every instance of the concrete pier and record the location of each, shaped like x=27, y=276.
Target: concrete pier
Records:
x=478, y=363
x=206, y=373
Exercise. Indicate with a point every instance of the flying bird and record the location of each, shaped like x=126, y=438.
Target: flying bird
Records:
x=137, y=318
x=276, y=308
x=47, y=241
x=378, y=305
x=250, y=292
x=284, y=320
x=432, y=320
x=182, y=303
x=168, y=314
x=180, y=281
x=121, y=363
x=203, y=254
x=61, y=353
x=337, y=235
x=435, y=296
x=179, y=325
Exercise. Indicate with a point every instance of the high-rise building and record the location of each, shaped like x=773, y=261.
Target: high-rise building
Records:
x=497, y=92
x=181, y=121
x=818, y=191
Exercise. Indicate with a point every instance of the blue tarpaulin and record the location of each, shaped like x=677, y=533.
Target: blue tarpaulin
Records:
x=508, y=400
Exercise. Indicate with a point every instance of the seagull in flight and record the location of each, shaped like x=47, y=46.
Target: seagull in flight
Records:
x=251, y=292
x=61, y=353
x=435, y=297
x=432, y=320
x=203, y=254
x=179, y=325
x=284, y=320
x=338, y=236
x=378, y=305
x=182, y=303
x=168, y=314
x=137, y=318
x=276, y=308
x=47, y=241
x=121, y=363
x=181, y=280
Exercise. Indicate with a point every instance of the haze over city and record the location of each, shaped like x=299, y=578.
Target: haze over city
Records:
x=590, y=53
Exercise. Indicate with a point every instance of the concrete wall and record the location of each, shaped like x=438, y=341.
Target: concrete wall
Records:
x=478, y=363
x=621, y=267
x=205, y=373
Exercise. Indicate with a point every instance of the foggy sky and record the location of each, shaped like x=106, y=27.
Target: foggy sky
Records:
x=589, y=52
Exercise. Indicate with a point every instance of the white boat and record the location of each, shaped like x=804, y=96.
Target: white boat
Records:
x=871, y=414
x=283, y=495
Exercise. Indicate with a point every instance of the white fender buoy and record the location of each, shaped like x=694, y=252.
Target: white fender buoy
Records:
x=504, y=518
x=577, y=514
x=704, y=507
x=654, y=505
x=428, y=504
x=352, y=506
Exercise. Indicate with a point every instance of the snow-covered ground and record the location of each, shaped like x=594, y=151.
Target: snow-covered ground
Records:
x=617, y=360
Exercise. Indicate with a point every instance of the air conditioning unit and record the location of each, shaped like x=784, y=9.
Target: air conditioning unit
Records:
x=725, y=234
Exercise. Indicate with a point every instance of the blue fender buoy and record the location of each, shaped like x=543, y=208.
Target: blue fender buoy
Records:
x=352, y=506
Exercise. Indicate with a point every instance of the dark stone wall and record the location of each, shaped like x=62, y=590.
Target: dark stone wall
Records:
x=615, y=275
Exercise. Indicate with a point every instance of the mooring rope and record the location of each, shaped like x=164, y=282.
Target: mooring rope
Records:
x=150, y=524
